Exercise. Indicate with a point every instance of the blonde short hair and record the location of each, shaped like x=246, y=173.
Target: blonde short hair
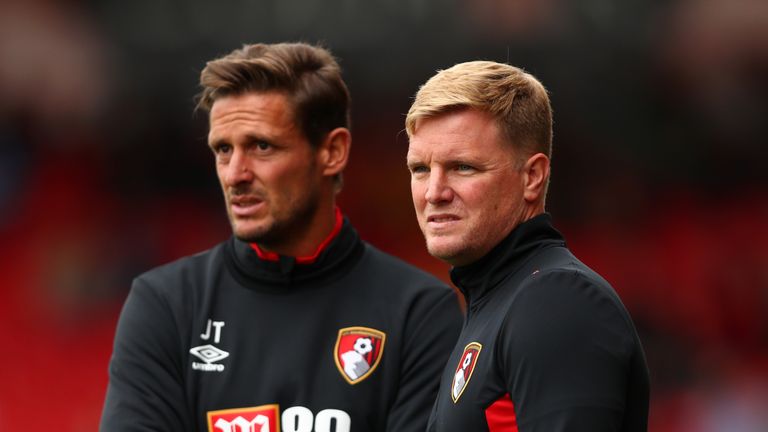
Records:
x=515, y=98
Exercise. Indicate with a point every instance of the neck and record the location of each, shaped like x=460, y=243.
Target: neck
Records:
x=322, y=229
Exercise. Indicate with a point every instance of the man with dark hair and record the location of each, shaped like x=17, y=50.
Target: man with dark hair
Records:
x=294, y=321
x=547, y=344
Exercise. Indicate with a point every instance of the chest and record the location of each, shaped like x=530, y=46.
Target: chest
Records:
x=474, y=382
x=294, y=360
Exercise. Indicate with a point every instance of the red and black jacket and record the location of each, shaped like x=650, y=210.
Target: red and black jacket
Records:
x=547, y=345
x=226, y=340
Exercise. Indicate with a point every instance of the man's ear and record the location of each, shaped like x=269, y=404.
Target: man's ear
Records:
x=535, y=177
x=333, y=153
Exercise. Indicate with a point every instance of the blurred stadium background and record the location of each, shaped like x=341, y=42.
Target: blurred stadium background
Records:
x=661, y=111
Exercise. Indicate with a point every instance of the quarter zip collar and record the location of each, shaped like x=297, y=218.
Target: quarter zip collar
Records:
x=287, y=274
x=475, y=280
x=309, y=259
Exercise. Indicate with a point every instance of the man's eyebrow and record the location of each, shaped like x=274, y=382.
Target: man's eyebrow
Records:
x=412, y=160
x=457, y=161
x=251, y=137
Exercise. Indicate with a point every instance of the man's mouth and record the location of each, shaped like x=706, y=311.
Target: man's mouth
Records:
x=245, y=205
x=442, y=218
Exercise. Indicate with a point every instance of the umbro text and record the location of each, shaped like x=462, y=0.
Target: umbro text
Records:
x=208, y=367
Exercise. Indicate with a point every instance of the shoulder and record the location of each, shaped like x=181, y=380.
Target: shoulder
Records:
x=563, y=309
x=393, y=270
x=183, y=271
x=570, y=338
x=571, y=285
x=176, y=288
x=166, y=296
x=407, y=292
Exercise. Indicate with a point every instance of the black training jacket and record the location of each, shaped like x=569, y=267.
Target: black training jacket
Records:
x=226, y=341
x=547, y=345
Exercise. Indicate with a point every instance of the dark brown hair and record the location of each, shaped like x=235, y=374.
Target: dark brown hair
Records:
x=308, y=75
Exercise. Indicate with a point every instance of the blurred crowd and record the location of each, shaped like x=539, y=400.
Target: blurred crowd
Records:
x=658, y=171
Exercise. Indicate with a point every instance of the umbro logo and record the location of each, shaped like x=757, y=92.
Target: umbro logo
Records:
x=208, y=353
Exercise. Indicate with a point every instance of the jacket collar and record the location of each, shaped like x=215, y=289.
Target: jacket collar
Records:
x=340, y=251
x=478, y=278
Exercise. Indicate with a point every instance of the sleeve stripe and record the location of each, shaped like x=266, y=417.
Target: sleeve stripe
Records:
x=500, y=415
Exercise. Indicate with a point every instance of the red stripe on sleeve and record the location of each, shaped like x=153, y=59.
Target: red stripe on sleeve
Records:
x=501, y=416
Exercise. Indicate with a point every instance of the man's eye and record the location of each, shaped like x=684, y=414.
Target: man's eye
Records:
x=464, y=167
x=263, y=145
x=222, y=149
x=418, y=169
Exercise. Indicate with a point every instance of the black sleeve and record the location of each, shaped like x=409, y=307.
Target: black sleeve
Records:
x=146, y=391
x=433, y=327
x=565, y=350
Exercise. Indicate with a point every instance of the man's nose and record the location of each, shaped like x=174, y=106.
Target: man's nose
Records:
x=438, y=188
x=238, y=169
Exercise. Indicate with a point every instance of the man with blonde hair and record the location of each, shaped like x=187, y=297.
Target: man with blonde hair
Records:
x=547, y=344
x=294, y=320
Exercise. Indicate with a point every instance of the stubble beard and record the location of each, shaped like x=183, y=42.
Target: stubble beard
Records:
x=442, y=252
x=285, y=224
x=439, y=248
x=454, y=249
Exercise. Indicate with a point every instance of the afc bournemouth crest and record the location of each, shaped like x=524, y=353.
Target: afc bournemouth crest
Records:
x=265, y=418
x=464, y=370
x=358, y=351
